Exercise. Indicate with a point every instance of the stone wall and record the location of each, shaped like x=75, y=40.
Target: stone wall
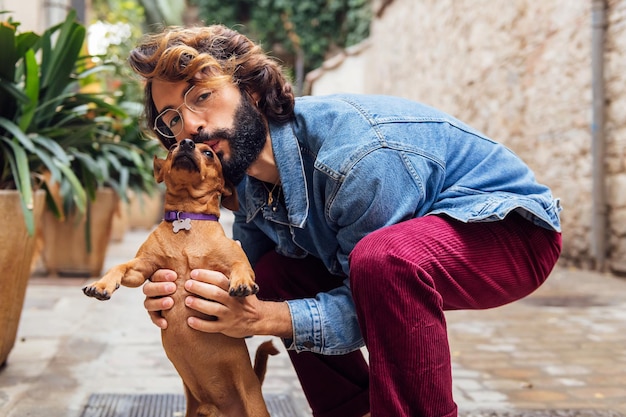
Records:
x=615, y=77
x=520, y=71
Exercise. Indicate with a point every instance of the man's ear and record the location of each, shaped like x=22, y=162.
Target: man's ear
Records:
x=230, y=200
x=158, y=169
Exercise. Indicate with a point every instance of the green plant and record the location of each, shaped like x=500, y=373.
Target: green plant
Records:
x=306, y=31
x=52, y=126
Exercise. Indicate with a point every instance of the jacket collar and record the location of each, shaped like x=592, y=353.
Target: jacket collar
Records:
x=288, y=156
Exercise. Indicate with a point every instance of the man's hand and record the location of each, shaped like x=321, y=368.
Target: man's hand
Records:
x=236, y=316
x=157, y=292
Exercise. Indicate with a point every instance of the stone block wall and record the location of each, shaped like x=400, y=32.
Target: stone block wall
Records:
x=520, y=71
x=615, y=78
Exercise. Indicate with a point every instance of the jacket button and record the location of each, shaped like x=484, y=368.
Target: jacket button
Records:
x=308, y=344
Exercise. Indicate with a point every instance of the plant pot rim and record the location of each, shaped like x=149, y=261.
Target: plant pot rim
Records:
x=14, y=190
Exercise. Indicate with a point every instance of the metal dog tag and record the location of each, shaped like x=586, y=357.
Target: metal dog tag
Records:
x=181, y=224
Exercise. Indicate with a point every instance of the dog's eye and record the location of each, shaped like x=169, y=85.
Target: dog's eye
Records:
x=208, y=154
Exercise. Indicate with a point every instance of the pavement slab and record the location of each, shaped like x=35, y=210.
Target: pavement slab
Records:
x=557, y=353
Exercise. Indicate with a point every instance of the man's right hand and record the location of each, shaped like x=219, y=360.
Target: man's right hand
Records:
x=157, y=291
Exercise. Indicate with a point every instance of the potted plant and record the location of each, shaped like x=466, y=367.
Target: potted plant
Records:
x=23, y=159
x=109, y=169
x=108, y=161
x=56, y=140
x=110, y=37
x=118, y=163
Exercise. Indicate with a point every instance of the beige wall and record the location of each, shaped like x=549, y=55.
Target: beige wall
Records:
x=344, y=73
x=27, y=12
x=37, y=15
x=520, y=71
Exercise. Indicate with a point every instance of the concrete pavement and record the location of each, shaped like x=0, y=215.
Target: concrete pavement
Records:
x=562, y=348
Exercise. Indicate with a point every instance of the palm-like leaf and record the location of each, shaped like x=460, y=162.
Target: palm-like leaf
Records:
x=50, y=128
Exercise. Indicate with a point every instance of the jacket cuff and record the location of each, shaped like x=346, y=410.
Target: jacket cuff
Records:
x=307, y=326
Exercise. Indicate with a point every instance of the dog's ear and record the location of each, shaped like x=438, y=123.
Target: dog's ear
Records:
x=158, y=169
x=230, y=200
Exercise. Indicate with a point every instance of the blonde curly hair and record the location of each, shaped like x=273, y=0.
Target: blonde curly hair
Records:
x=209, y=56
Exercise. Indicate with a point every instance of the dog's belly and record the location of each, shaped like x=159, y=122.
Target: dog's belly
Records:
x=216, y=369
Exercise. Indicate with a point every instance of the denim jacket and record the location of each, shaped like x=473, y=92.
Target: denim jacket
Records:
x=351, y=164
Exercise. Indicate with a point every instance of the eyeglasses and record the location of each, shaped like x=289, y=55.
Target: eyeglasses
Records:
x=169, y=122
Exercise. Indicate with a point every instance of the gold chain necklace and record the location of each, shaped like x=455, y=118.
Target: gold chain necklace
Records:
x=270, y=193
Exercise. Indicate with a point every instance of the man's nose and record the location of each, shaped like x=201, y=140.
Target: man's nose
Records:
x=193, y=122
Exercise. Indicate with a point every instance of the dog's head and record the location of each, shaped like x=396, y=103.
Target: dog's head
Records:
x=193, y=171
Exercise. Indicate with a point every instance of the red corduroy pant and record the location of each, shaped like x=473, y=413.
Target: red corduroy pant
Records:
x=403, y=278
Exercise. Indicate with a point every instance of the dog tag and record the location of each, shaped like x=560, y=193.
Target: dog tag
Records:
x=181, y=224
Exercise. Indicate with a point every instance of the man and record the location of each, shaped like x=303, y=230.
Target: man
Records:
x=365, y=218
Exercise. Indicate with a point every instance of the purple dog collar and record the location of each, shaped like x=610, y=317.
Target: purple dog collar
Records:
x=171, y=216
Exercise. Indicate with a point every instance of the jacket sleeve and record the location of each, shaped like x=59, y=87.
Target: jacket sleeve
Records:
x=314, y=320
x=368, y=199
x=326, y=324
x=383, y=188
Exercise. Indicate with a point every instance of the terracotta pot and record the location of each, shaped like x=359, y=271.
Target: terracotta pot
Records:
x=16, y=247
x=68, y=249
x=120, y=222
x=145, y=210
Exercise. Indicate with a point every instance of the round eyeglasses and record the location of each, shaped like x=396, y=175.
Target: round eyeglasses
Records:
x=169, y=123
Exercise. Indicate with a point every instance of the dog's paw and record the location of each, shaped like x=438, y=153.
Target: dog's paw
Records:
x=96, y=291
x=243, y=290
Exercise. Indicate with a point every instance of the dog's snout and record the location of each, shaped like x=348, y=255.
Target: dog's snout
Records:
x=187, y=144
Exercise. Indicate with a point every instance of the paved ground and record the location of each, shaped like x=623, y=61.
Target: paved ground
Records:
x=563, y=348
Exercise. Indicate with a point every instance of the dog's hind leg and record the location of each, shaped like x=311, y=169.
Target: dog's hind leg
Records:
x=193, y=405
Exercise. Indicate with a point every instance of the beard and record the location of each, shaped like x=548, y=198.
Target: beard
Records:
x=246, y=140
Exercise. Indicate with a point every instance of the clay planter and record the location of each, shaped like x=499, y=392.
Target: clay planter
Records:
x=68, y=250
x=16, y=247
x=145, y=211
x=120, y=222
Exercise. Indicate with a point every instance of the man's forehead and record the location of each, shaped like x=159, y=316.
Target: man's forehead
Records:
x=167, y=94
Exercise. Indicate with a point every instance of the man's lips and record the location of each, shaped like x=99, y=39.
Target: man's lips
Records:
x=213, y=143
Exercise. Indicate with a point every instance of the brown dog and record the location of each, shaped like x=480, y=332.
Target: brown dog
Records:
x=216, y=370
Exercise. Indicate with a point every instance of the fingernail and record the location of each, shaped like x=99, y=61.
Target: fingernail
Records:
x=194, y=274
x=188, y=285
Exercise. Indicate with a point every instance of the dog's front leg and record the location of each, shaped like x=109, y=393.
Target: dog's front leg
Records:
x=129, y=274
x=242, y=280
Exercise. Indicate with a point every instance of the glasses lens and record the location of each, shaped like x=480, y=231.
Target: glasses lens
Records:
x=169, y=123
x=197, y=99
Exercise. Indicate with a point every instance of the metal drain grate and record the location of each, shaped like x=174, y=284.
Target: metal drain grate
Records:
x=140, y=405
x=280, y=405
x=166, y=405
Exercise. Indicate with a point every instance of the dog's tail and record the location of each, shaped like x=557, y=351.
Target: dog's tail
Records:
x=263, y=352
